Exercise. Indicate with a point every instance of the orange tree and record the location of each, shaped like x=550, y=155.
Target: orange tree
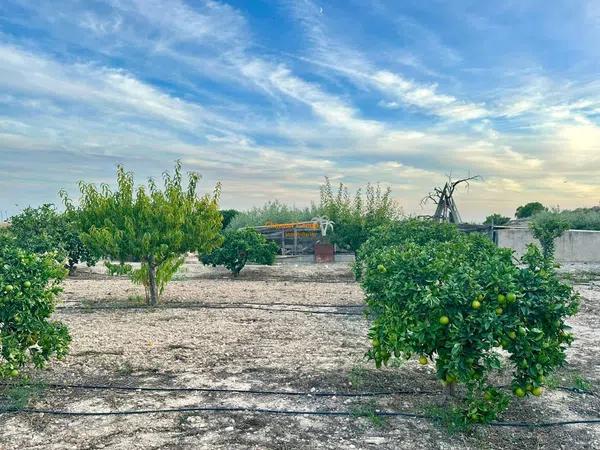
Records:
x=29, y=284
x=44, y=229
x=150, y=225
x=457, y=303
x=240, y=247
x=398, y=232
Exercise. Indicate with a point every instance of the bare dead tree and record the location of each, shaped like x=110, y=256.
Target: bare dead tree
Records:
x=443, y=197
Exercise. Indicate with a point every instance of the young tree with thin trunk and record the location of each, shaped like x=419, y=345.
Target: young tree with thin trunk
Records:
x=153, y=226
x=240, y=247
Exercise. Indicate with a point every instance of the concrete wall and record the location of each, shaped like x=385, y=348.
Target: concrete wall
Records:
x=572, y=246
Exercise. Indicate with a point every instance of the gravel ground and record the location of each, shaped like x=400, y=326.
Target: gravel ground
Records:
x=267, y=330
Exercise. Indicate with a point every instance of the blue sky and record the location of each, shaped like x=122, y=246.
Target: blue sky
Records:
x=269, y=96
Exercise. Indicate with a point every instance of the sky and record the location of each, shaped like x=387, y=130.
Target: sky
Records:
x=270, y=96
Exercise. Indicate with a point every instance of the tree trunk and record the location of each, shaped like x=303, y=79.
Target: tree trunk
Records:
x=450, y=392
x=153, y=288
x=72, y=267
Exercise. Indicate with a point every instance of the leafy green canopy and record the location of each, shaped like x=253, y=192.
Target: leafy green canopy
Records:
x=529, y=209
x=546, y=227
x=456, y=303
x=228, y=216
x=29, y=284
x=272, y=212
x=354, y=218
x=581, y=218
x=240, y=247
x=43, y=229
x=418, y=231
x=150, y=225
x=496, y=219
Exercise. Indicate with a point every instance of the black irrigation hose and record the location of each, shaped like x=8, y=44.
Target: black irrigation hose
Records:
x=288, y=413
x=208, y=409
x=206, y=306
x=233, y=391
x=560, y=388
x=267, y=392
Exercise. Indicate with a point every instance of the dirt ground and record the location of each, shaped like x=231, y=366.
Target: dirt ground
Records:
x=268, y=330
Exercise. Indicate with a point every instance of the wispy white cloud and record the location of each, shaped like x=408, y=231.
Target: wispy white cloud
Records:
x=329, y=52
x=405, y=92
x=195, y=80
x=30, y=75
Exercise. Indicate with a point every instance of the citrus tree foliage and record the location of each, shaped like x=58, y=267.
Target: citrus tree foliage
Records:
x=455, y=303
x=418, y=231
x=546, y=227
x=43, y=229
x=496, y=219
x=240, y=247
x=147, y=224
x=29, y=284
x=529, y=210
x=355, y=217
x=37, y=229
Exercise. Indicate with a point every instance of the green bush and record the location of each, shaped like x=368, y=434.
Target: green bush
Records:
x=29, y=284
x=240, y=247
x=583, y=218
x=164, y=273
x=546, y=227
x=43, y=229
x=456, y=303
x=270, y=213
x=228, y=216
x=496, y=219
x=530, y=209
x=355, y=218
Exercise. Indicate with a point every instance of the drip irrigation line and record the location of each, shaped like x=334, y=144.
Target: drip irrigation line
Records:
x=109, y=387
x=233, y=391
x=230, y=409
x=206, y=306
x=206, y=409
x=559, y=388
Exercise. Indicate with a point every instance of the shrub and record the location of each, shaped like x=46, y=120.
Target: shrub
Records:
x=228, y=216
x=153, y=226
x=455, y=303
x=546, y=227
x=272, y=212
x=43, y=229
x=529, y=210
x=240, y=247
x=164, y=273
x=355, y=218
x=583, y=218
x=29, y=284
x=496, y=219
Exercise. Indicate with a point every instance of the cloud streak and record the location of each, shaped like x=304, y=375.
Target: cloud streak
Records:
x=277, y=98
